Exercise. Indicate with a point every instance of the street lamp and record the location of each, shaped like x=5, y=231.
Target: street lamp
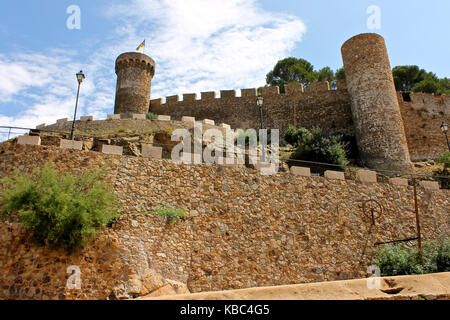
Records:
x=80, y=78
x=444, y=129
x=259, y=103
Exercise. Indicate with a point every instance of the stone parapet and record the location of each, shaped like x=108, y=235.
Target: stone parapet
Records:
x=107, y=149
x=148, y=151
x=71, y=144
x=31, y=140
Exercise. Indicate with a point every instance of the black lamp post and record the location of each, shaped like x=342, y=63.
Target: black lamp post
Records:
x=444, y=129
x=80, y=78
x=259, y=103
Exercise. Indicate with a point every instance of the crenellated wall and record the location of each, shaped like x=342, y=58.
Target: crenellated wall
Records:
x=422, y=118
x=320, y=106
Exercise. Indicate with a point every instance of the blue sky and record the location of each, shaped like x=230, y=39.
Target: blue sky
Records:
x=198, y=45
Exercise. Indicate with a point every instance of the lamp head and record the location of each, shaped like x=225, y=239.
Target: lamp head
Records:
x=260, y=101
x=80, y=77
x=444, y=127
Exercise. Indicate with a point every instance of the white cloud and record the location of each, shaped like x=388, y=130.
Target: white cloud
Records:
x=198, y=45
x=209, y=44
x=43, y=84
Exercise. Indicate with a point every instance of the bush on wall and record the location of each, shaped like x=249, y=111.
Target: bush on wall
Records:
x=445, y=160
x=444, y=175
x=61, y=211
x=395, y=260
x=314, y=146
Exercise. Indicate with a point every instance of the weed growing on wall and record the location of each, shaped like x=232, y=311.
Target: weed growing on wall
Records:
x=172, y=214
x=61, y=211
x=151, y=116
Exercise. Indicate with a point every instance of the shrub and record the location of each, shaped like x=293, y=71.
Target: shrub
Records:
x=316, y=147
x=246, y=136
x=172, y=214
x=443, y=256
x=61, y=211
x=290, y=136
x=445, y=160
x=396, y=260
x=295, y=136
x=444, y=175
x=151, y=116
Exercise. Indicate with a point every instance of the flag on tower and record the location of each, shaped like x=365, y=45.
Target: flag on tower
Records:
x=142, y=45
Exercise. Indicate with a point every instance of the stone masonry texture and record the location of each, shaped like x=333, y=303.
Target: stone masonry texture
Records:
x=135, y=72
x=376, y=113
x=242, y=229
x=328, y=110
x=422, y=117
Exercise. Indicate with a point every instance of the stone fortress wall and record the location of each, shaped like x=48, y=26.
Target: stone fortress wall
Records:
x=386, y=127
x=422, y=118
x=369, y=108
x=327, y=109
x=242, y=230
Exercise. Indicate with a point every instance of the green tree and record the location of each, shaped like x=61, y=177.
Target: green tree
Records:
x=445, y=85
x=429, y=85
x=405, y=77
x=291, y=70
x=325, y=74
x=340, y=74
x=412, y=78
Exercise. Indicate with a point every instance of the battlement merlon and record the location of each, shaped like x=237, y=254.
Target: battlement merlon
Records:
x=172, y=99
x=249, y=92
x=292, y=90
x=320, y=86
x=211, y=95
x=137, y=60
x=189, y=97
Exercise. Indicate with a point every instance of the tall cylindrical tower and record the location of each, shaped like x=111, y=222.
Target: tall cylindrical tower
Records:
x=135, y=72
x=376, y=113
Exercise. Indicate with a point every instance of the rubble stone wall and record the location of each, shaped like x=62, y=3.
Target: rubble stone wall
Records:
x=242, y=229
x=327, y=109
x=422, y=117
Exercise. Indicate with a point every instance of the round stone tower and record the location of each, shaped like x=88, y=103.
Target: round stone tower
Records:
x=135, y=72
x=376, y=113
